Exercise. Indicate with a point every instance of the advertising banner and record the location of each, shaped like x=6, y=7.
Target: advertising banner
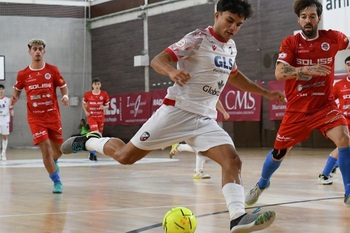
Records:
x=241, y=105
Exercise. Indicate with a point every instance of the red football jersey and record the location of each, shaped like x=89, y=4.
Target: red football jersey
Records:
x=316, y=92
x=94, y=101
x=341, y=91
x=40, y=87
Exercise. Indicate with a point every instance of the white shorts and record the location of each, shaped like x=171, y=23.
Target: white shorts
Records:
x=169, y=125
x=5, y=129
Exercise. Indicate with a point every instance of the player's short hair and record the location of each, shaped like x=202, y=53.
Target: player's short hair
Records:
x=240, y=7
x=300, y=5
x=96, y=80
x=2, y=86
x=36, y=42
x=347, y=59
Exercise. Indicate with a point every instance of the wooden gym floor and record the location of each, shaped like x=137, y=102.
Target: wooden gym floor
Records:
x=104, y=196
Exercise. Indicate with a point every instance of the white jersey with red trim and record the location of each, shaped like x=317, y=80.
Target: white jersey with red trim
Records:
x=209, y=60
x=5, y=104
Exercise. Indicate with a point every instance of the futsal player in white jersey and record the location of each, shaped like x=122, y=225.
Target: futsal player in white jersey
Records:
x=6, y=109
x=206, y=60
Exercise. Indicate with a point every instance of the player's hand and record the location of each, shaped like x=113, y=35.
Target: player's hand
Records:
x=65, y=100
x=180, y=77
x=306, y=72
x=14, y=100
x=277, y=95
x=226, y=116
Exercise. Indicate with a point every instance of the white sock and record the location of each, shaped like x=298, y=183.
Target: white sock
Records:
x=96, y=144
x=185, y=147
x=200, y=160
x=234, y=197
x=4, y=146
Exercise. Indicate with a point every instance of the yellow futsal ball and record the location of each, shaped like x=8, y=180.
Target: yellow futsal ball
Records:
x=179, y=220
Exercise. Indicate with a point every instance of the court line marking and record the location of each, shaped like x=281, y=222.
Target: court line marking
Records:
x=31, y=163
x=226, y=211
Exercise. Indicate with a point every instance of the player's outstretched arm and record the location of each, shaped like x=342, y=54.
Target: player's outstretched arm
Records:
x=242, y=82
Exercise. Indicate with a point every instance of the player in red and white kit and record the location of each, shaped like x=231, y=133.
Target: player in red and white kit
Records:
x=206, y=60
x=306, y=63
x=40, y=80
x=341, y=91
x=94, y=104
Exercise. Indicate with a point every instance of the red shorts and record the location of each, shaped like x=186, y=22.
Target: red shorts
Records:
x=96, y=124
x=296, y=127
x=42, y=132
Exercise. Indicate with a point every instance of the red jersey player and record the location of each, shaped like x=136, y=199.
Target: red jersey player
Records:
x=94, y=104
x=341, y=91
x=306, y=62
x=40, y=80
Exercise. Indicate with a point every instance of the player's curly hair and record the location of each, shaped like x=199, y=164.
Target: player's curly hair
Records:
x=300, y=5
x=240, y=7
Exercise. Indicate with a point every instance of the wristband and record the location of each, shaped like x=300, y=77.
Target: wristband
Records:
x=65, y=96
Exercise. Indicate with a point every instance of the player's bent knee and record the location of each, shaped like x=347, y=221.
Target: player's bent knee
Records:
x=278, y=154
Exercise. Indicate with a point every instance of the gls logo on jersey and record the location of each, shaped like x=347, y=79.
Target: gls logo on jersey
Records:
x=223, y=62
x=310, y=62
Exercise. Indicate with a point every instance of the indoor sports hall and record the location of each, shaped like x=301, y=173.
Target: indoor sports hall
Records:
x=115, y=40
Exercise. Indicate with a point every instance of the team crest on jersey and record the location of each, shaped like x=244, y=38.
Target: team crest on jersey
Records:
x=144, y=136
x=325, y=46
x=47, y=76
x=181, y=43
x=282, y=55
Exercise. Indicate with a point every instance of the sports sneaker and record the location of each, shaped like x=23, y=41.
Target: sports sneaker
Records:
x=76, y=144
x=57, y=187
x=252, y=197
x=3, y=157
x=325, y=180
x=173, y=150
x=252, y=222
x=347, y=200
x=198, y=175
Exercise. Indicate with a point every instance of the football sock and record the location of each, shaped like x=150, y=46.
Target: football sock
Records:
x=337, y=164
x=344, y=166
x=234, y=197
x=55, y=177
x=4, y=146
x=200, y=160
x=329, y=165
x=184, y=147
x=93, y=152
x=269, y=167
x=96, y=144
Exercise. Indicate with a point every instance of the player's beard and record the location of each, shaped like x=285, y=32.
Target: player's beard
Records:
x=310, y=33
